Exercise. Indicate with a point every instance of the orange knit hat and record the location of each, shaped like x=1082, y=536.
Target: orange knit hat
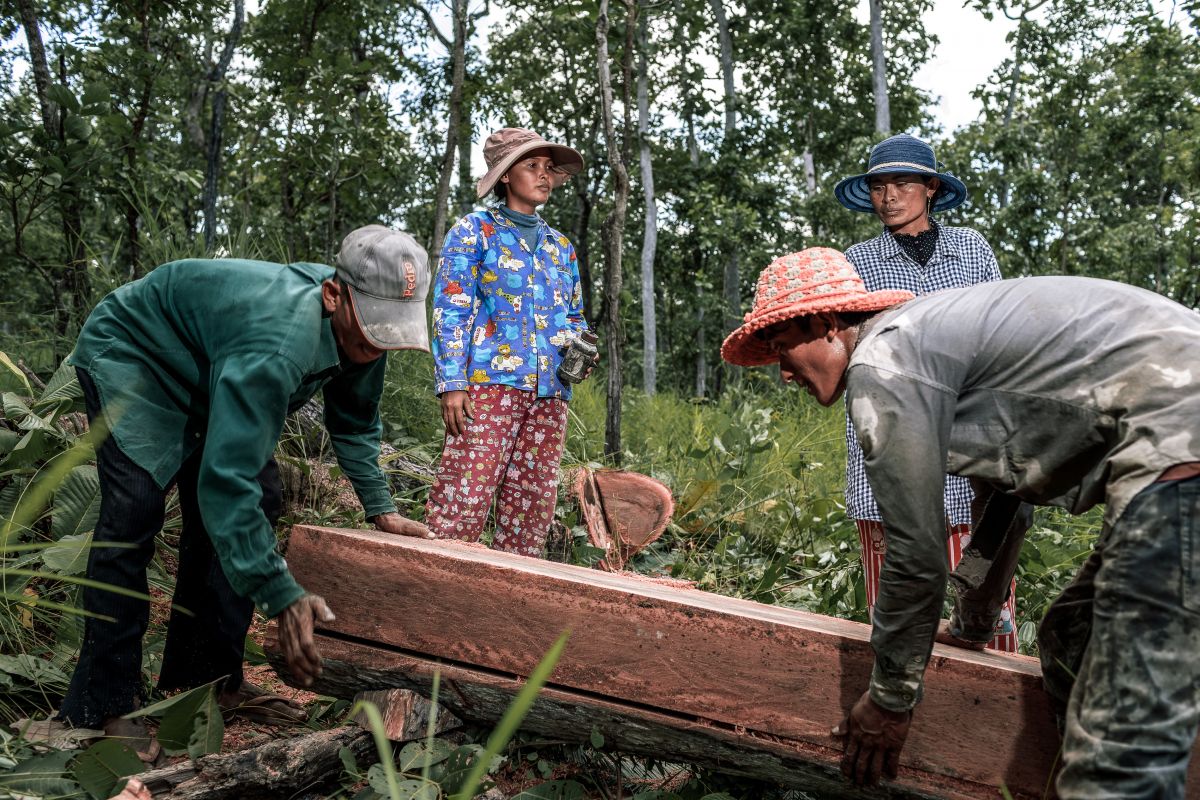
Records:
x=797, y=285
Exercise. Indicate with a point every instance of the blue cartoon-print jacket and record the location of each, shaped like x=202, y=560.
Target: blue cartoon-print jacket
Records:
x=502, y=314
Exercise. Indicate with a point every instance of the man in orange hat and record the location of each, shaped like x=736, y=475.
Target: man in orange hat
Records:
x=1054, y=390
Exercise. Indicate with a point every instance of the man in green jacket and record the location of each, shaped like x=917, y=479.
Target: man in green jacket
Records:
x=192, y=370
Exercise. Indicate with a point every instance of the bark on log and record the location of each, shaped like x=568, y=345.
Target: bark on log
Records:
x=280, y=768
x=405, y=714
x=674, y=671
x=565, y=715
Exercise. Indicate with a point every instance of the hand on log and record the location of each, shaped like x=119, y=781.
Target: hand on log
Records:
x=456, y=412
x=134, y=790
x=401, y=525
x=296, y=636
x=945, y=635
x=874, y=738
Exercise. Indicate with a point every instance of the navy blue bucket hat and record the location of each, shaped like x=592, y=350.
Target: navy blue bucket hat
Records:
x=893, y=156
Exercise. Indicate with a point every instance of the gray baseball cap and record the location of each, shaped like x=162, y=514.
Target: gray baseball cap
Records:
x=388, y=275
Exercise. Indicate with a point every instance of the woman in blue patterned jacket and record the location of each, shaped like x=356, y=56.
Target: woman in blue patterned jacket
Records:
x=903, y=187
x=506, y=302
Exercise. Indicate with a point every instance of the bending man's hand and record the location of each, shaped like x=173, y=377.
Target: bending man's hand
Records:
x=296, y=636
x=393, y=522
x=456, y=412
x=874, y=737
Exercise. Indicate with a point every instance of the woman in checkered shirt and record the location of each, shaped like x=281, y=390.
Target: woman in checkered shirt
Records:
x=903, y=187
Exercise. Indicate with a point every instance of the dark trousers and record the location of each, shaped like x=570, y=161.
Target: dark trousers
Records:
x=1119, y=648
x=209, y=621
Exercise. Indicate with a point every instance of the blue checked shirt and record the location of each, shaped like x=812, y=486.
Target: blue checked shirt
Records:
x=962, y=257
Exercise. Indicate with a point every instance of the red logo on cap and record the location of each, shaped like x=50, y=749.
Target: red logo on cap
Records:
x=410, y=279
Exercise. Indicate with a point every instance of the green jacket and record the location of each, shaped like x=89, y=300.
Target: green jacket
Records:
x=215, y=354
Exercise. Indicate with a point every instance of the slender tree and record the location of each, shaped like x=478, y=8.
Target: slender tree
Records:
x=732, y=281
x=879, y=83
x=650, y=226
x=72, y=285
x=613, y=229
x=212, y=162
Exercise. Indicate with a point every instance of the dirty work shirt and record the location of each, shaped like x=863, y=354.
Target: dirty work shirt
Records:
x=216, y=354
x=1061, y=391
x=502, y=313
x=961, y=257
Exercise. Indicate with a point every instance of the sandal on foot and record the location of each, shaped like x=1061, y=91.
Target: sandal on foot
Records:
x=256, y=704
x=133, y=734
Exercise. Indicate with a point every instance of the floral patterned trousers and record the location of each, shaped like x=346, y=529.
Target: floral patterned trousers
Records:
x=870, y=536
x=509, y=454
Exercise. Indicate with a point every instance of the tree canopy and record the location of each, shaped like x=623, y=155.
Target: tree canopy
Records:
x=137, y=132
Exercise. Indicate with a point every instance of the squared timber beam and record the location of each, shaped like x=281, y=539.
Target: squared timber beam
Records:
x=715, y=666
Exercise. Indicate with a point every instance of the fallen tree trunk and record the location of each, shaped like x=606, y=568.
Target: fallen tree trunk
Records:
x=569, y=716
x=670, y=672
x=280, y=768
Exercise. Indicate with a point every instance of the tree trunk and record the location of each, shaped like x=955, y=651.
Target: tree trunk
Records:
x=650, y=229
x=697, y=267
x=883, y=112
x=279, y=768
x=612, y=232
x=40, y=66
x=72, y=284
x=585, y=193
x=212, y=162
x=466, y=187
x=726, y=44
x=458, y=59
x=731, y=280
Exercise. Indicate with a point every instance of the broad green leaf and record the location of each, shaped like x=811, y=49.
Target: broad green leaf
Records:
x=41, y=775
x=101, y=766
x=253, y=653
x=19, y=412
x=10, y=495
x=76, y=502
x=416, y=789
x=63, y=96
x=15, y=370
x=63, y=385
x=77, y=127
x=596, y=738
x=163, y=706
x=348, y=761
x=179, y=720
x=32, y=669
x=8, y=440
x=34, y=446
x=412, y=755
x=69, y=555
x=209, y=730
x=95, y=93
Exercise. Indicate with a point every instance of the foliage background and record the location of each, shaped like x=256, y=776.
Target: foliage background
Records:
x=142, y=148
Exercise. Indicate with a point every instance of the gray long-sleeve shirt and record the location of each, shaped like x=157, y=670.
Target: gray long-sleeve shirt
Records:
x=1062, y=391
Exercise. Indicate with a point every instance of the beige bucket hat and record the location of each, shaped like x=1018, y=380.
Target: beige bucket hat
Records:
x=502, y=149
